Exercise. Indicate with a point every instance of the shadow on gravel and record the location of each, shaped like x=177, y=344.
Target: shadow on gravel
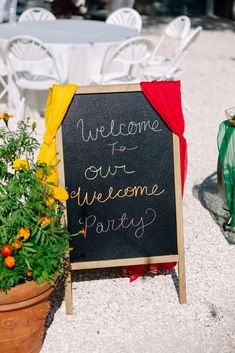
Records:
x=116, y=272
x=207, y=193
x=56, y=301
x=96, y=274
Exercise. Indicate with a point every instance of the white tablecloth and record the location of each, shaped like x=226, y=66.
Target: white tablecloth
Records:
x=79, y=45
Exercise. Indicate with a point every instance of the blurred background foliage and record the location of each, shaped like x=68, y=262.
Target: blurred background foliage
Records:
x=68, y=8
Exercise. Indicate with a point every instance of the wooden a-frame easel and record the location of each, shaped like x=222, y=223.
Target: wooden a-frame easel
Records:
x=179, y=258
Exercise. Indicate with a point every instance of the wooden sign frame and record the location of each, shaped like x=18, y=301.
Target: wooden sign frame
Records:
x=179, y=258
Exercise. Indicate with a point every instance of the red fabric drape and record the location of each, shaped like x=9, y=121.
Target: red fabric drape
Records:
x=165, y=97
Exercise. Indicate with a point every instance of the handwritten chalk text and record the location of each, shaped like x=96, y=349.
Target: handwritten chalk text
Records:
x=131, y=128
x=93, y=172
x=111, y=194
x=124, y=222
x=121, y=148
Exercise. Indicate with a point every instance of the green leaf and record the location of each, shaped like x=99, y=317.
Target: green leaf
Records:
x=28, y=244
x=30, y=250
x=28, y=265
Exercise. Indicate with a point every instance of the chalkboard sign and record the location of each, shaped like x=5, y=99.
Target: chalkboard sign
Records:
x=120, y=165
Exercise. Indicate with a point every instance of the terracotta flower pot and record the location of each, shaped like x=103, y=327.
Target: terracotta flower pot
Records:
x=23, y=311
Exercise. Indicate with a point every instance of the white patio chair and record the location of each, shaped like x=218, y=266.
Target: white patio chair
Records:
x=126, y=17
x=169, y=70
x=3, y=75
x=33, y=66
x=177, y=29
x=36, y=14
x=132, y=52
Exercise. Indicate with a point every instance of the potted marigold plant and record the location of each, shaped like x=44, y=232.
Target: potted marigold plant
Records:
x=33, y=242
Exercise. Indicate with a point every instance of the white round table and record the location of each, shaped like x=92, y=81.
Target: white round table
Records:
x=78, y=45
x=65, y=31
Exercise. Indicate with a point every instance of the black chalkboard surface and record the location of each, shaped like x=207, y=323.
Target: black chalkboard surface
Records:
x=121, y=172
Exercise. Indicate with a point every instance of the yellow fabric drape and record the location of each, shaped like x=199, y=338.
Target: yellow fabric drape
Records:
x=58, y=101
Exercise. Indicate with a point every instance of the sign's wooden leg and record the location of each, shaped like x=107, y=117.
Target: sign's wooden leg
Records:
x=182, y=282
x=68, y=294
x=179, y=221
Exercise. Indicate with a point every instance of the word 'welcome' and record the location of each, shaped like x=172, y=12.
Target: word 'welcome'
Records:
x=114, y=129
x=129, y=191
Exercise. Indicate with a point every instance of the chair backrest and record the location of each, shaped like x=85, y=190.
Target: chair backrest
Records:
x=36, y=14
x=182, y=50
x=185, y=45
x=131, y=52
x=25, y=49
x=177, y=29
x=126, y=17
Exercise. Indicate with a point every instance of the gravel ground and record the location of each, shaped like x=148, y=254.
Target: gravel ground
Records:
x=113, y=315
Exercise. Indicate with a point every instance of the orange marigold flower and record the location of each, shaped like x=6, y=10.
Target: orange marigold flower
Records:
x=60, y=194
x=6, y=250
x=20, y=164
x=83, y=232
x=9, y=262
x=23, y=233
x=46, y=220
x=16, y=244
x=5, y=117
x=29, y=274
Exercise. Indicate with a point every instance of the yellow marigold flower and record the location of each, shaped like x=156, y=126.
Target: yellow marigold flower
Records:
x=60, y=193
x=16, y=244
x=23, y=233
x=20, y=164
x=46, y=220
x=5, y=117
